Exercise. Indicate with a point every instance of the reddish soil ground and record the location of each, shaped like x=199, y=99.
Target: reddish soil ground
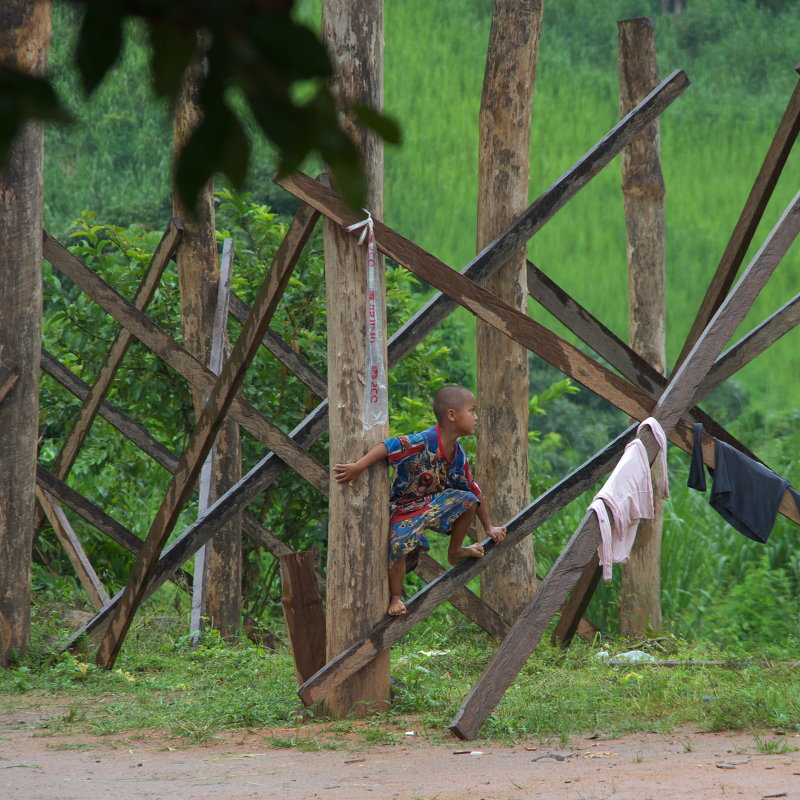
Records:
x=37, y=765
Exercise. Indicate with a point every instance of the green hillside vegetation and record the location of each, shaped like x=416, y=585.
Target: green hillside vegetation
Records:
x=740, y=60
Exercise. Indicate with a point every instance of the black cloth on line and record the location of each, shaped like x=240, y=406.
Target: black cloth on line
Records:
x=745, y=493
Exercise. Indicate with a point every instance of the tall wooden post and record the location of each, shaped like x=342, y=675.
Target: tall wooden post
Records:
x=198, y=275
x=643, y=195
x=24, y=44
x=503, y=177
x=357, y=587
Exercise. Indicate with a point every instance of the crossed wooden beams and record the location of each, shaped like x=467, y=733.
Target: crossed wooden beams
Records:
x=286, y=448
x=687, y=387
x=53, y=486
x=482, y=303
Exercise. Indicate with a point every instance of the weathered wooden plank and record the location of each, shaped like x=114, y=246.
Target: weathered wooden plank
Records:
x=539, y=212
x=220, y=400
x=435, y=593
x=218, y=341
x=116, y=353
x=607, y=344
x=284, y=353
x=483, y=304
x=182, y=361
x=574, y=608
x=98, y=518
x=148, y=445
x=467, y=602
x=9, y=374
x=676, y=399
x=753, y=344
x=303, y=612
x=685, y=382
x=747, y=223
x=87, y=576
x=95, y=516
x=112, y=414
x=234, y=501
x=504, y=159
x=521, y=641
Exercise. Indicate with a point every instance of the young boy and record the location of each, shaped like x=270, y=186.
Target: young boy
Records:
x=432, y=488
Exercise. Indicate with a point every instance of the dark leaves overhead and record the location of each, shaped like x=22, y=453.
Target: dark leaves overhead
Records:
x=254, y=46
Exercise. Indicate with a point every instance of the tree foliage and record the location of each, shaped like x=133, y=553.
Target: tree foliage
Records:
x=253, y=49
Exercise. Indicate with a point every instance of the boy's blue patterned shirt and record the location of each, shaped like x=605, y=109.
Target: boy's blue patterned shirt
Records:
x=422, y=470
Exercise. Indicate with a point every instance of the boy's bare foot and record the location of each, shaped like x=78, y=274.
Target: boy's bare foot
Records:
x=396, y=606
x=473, y=551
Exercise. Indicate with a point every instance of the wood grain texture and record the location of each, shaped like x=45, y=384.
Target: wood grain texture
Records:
x=468, y=603
x=234, y=501
x=357, y=593
x=92, y=585
x=284, y=353
x=537, y=214
x=683, y=387
x=435, y=593
x=213, y=415
x=751, y=345
x=110, y=413
x=98, y=518
x=569, y=568
x=24, y=44
x=9, y=374
x=575, y=606
x=746, y=225
x=182, y=361
x=303, y=613
x=116, y=353
x=643, y=201
x=504, y=123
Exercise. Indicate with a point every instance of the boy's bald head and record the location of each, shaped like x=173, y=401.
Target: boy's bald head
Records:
x=451, y=396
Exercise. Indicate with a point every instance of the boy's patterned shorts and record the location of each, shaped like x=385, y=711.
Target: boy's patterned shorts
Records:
x=407, y=536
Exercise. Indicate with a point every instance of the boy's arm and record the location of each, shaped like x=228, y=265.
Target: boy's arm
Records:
x=494, y=533
x=348, y=473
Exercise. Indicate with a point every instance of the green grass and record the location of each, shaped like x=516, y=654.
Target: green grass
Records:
x=160, y=684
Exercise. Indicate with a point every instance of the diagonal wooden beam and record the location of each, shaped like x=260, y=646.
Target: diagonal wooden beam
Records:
x=98, y=518
x=284, y=353
x=9, y=375
x=109, y=412
x=73, y=548
x=616, y=352
x=197, y=373
x=747, y=223
x=234, y=501
x=147, y=288
x=473, y=297
x=434, y=594
x=496, y=253
x=572, y=564
x=222, y=396
x=751, y=345
x=468, y=603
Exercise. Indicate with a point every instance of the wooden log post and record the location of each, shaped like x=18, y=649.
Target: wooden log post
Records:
x=503, y=177
x=643, y=198
x=24, y=45
x=198, y=276
x=214, y=412
x=357, y=589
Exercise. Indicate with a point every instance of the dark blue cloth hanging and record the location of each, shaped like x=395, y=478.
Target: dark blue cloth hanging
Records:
x=745, y=493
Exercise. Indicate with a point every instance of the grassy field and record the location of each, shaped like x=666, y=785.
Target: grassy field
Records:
x=162, y=683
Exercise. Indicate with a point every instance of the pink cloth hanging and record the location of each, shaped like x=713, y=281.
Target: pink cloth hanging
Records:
x=628, y=494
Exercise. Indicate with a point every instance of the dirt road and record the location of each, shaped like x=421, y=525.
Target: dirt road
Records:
x=37, y=766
